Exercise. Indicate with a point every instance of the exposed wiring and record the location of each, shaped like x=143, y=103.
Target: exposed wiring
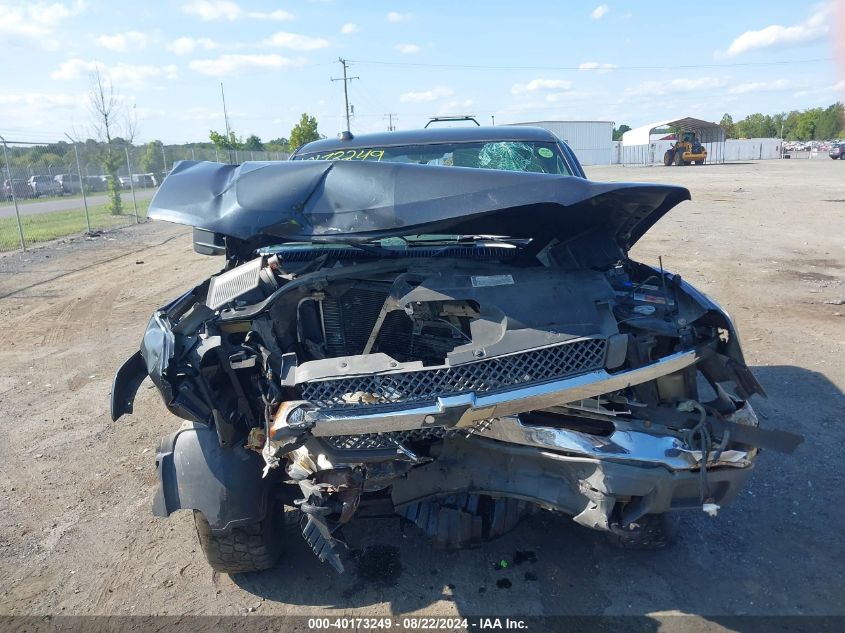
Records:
x=701, y=433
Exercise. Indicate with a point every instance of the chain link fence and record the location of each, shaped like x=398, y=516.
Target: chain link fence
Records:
x=51, y=190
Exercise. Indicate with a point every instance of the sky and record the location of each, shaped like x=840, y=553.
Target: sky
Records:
x=627, y=61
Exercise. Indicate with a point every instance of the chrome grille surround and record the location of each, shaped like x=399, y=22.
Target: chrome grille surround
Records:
x=393, y=439
x=483, y=376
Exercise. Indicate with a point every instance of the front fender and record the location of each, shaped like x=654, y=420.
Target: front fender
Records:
x=125, y=385
x=196, y=473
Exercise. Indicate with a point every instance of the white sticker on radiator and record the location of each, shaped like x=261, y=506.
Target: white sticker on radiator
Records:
x=491, y=280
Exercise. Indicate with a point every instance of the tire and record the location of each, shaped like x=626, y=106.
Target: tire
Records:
x=653, y=531
x=699, y=162
x=679, y=159
x=667, y=158
x=242, y=549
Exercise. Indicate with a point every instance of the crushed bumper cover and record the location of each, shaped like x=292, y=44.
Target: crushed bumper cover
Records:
x=587, y=488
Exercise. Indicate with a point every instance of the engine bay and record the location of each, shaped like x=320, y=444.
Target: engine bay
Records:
x=352, y=374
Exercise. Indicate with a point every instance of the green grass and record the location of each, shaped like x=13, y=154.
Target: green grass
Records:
x=43, y=227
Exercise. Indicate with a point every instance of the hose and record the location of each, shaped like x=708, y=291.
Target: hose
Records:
x=700, y=432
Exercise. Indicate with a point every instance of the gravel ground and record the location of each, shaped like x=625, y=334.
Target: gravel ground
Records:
x=76, y=531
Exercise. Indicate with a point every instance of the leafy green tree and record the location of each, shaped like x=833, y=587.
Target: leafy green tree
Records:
x=303, y=132
x=253, y=143
x=110, y=119
x=618, y=132
x=807, y=122
x=727, y=124
x=152, y=160
x=221, y=141
x=830, y=121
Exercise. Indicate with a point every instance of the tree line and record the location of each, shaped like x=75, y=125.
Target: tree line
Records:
x=303, y=132
x=813, y=124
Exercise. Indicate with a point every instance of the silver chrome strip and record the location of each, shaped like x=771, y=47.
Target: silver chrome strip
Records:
x=467, y=409
x=621, y=445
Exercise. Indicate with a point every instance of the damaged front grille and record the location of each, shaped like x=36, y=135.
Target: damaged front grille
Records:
x=379, y=441
x=484, y=376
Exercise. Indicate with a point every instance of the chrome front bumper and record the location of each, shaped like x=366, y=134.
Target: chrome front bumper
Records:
x=466, y=410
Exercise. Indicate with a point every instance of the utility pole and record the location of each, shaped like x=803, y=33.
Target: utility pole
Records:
x=225, y=116
x=493, y=118
x=390, y=126
x=345, y=81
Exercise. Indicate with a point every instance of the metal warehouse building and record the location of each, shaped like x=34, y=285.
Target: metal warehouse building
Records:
x=592, y=141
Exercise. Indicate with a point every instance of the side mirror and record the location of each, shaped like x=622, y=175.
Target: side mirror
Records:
x=208, y=242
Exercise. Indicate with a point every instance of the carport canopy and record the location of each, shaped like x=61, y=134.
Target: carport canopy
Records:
x=706, y=131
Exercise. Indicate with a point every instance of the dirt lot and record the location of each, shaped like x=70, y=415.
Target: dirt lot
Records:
x=77, y=535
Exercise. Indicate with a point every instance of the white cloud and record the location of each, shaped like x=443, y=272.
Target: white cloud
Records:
x=296, y=41
x=185, y=45
x=35, y=22
x=228, y=64
x=201, y=113
x=600, y=11
x=408, y=49
x=395, y=17
x=759, y=86
x=349, y=28
x=602, y=68
x=554, y=97
x=455, y=107
x=41, y=111
x=121, y=41
x=438, y=92
x=813, y=28
x=57, y=100
x=675, y=86
x=216, y=10
x=212, y=10
x=536, y=85
x=278, y=15
x=120, y=74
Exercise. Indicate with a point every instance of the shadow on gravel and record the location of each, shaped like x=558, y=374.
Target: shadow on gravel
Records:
x=776, y=551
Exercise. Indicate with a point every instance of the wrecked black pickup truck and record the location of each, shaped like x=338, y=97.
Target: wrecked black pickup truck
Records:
x=460, y=344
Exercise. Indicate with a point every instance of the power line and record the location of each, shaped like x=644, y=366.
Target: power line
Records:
x=598, y=68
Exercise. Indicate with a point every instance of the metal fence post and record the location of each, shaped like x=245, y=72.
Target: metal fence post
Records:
x=164, y=159
x=131, y=184
x=81, y=184
x=14, y=196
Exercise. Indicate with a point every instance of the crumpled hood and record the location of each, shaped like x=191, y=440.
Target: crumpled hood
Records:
x=352, y=201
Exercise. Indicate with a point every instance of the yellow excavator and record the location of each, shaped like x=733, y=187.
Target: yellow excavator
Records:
x=686, y=150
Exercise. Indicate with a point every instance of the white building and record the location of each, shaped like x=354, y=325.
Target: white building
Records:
x=592, y=141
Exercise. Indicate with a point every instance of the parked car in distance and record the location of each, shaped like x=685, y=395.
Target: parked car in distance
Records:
x=125, y=182
x=144, y=180
x=19, y=187
x=95, y=183
x=44, y=185
x=837, y=150
x=70, y=183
